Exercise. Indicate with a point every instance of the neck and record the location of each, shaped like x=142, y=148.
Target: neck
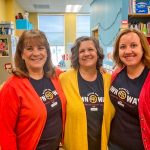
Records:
x=134, y=72
x=88, y=74
x=36, y=75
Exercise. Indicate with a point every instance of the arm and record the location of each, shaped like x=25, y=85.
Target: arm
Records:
x=9, y=111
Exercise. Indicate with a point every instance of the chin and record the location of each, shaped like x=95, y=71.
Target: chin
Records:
x=37, y=67
x=131, y=65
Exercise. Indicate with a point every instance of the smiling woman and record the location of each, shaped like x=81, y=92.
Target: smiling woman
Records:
x=32, y=102
x=130, y=92
x=89, y=110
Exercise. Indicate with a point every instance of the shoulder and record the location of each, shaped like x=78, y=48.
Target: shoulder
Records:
x=70, y=74
x=147, y=81
x=58, y=71
x=13, y=83
x=116, y=72
x=106, y=78
x=12, y=80
x=106, y=75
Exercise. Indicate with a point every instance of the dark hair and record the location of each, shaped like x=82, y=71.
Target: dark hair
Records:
x=144, y=44
x=75, y=51
x=31, y=37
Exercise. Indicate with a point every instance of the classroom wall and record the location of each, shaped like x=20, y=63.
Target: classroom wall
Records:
x=18, y=9
x=106, y=15
x=10, y=10
x=2, y=10
x=70, y=29
x=33, y=18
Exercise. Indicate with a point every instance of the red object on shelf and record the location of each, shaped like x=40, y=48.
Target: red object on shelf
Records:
x=148, y=39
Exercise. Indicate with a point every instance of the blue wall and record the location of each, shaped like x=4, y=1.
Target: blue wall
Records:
x=106, y=15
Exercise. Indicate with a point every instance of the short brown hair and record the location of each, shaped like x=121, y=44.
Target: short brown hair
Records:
x=144, y=44
x=75, y=51
x=36, y=37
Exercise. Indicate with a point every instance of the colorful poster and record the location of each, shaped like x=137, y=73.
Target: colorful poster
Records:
x=4, y=50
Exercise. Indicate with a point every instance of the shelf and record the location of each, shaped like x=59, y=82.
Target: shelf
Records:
x=139, y=20
x=139, y=15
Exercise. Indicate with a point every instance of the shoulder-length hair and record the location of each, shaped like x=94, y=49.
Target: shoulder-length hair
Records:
x=33, y=37
x=75, y=51
x=144, y=43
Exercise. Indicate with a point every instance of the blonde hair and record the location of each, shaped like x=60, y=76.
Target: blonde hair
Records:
x=144, y=44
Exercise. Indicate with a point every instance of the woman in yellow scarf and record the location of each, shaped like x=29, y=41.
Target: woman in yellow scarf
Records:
x=89, y=110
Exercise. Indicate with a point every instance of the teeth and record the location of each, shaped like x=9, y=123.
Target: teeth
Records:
x=129, y=56
x=36, y=59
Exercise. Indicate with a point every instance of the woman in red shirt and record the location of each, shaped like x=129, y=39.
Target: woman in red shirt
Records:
x=32, y=103
x=130, y=92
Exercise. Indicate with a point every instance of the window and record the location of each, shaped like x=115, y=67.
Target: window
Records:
x=83, y=25
x=53, y=26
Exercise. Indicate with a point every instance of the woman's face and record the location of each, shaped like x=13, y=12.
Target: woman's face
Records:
x=87, y=55
x=130, y=50
x=35, y=57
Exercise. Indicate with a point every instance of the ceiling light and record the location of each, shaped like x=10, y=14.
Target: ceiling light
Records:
x=68, y=8
x=76, y=8
x=73, y=8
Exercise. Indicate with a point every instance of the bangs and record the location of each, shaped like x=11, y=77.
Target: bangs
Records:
x=35, y=40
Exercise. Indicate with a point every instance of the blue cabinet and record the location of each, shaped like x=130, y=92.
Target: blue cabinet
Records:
x=23, y=24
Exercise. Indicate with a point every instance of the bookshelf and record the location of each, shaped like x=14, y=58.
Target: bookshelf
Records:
x=139, y=21
x=139, y=16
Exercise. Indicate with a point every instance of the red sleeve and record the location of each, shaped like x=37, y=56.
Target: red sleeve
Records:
x=58, y=71
x=144, y=112
x=9, y=110
x=115, y=73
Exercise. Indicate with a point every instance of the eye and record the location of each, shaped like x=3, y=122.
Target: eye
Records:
x=133, y=45
x=29, y=48
x=90, y=49
x=81, y=51
x=122, y=47
x=41, y=48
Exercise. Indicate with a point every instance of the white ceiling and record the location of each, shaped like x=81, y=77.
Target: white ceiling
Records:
x=53, y=6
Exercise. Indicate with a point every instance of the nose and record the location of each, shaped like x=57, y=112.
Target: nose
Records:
x=86, y=52
x=128, y=50
x=35, y=51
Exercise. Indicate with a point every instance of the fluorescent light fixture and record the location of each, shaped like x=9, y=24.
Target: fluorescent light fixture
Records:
x=68, y=8
x=76, y=8
x=73, y=8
